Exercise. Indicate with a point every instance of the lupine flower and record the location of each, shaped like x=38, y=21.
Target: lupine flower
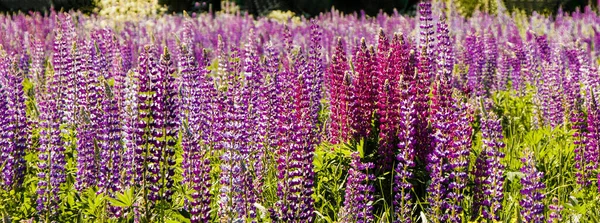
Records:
x=405, y=162
x=363, y=92
x=196, y=107
x=358, y=200
x=89, y=112
x=14, y=132
x=592, y=142
x=555, y=209
x=532, y=196
x=338, y=94
x=421, y=85
x=489, y=183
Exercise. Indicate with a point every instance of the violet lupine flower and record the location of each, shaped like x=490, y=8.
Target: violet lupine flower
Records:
x=150, y=109
x=490, y=53
x=489, y=171
x=51, y=151
x=197, y=93
x=89, y=116
x=295, y=144
x=129, y=116
x=363, y=92
x=314, y=72
x=358, y=200
x=422, y=82
x=171, y=125
x=532, y=196
x=14, y=133
x=405, y=162
x=338, y=94
x=592, y=140
x=579, y=124
x=555, y=209
x=550, y=95
x=458, y=163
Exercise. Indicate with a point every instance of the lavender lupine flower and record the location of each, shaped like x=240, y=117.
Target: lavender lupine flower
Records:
x=405, y=161
x=338, y=94
x=580, y=126
x=555, y=209
x=14, y=133
x=532, y=196
x=358, y=200
x=110, y=138
x=489, y=170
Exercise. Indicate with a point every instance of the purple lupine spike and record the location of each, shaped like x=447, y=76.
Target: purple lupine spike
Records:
x=88, y=113
x=391, y=91
x=555, y=209
x=197, y=93
x=358, y=201
x=364, y=94
x=295, y=146
x=458, y=163
x=171, y=128
x=405, y=162
x=580, y=126
x=338, y=94
x=503, y=73
x=15, y=128
x=129, y=114
x=490, y=53
x=315, y=70
x=422, y=81
x=149, y=108
x=51, y=150
x=550, y=95
x=592, y=140
x=489, y=183
x=532, y=196
x=445, y=54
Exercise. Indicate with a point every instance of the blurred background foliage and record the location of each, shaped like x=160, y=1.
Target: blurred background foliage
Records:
x=306, y=8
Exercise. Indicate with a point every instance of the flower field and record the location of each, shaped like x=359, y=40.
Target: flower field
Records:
x=338, y=118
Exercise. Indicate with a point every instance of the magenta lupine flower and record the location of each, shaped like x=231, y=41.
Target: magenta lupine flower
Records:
x=532, y=196
x=489, y=171
x=14, y=132
x=405, y=162
x=338, y=94
x=363, y=92
x=358, y=199
x=393, y=87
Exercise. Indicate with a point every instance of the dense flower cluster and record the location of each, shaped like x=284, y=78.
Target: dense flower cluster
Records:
x=231, y=118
